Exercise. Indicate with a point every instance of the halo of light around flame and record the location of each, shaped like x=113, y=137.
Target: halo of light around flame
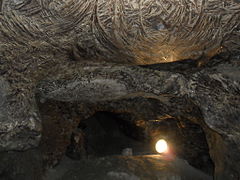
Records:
x=161, y=146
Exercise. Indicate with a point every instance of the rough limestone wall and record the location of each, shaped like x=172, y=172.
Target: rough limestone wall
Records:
x=43, y=38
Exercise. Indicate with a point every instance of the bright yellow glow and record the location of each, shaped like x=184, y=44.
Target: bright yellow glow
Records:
x=161, y=146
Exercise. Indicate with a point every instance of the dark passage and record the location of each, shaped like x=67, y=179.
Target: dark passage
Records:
x=107, y=133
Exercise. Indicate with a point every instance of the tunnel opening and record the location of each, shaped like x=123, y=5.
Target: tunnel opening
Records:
x=107, y=133
x=104, y=134
x=187, y=141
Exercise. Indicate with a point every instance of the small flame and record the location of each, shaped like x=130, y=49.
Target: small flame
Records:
x=161, y=146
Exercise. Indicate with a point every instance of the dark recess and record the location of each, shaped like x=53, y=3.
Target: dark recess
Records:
x=107, y=133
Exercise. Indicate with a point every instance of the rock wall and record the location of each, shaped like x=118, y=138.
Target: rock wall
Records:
x=58, y=50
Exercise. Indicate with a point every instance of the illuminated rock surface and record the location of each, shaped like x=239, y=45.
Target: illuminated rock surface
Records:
x=56, y=69
x=176, y=92
x=207, y=96
x=42, y=39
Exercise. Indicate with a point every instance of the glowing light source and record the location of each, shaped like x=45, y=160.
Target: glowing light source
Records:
x=161, y=146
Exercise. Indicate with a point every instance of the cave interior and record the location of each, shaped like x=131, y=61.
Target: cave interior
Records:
x=107, y=133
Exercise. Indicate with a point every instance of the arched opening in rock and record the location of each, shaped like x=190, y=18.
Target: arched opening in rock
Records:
x=107, y=133
x=187, y=141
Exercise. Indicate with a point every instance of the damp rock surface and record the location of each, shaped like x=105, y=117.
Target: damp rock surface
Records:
x=147, y=167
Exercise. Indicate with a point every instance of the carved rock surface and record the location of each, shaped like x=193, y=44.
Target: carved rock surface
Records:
x=58, y=50
x=41, y=39
x=207, y=96
x=143, y=32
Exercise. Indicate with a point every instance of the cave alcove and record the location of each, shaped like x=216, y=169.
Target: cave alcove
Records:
x=107, y=133
x=187, y=140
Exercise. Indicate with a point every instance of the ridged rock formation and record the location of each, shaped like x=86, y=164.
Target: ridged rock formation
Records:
x=40, y=38
x=131, y=31
x=55, y=40
x=209, y=97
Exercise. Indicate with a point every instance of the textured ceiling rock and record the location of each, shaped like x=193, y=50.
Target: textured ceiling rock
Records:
x=129, y=31
x=41, y=39
x=49, y=43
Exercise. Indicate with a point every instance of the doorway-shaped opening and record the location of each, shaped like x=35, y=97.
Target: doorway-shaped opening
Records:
x=187, y=141
x=104, y=134
x=107, y=133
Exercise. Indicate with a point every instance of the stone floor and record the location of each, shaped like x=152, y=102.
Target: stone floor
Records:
x=146, y=167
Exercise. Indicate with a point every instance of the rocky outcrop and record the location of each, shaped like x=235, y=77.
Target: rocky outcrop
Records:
x=207, y=96
x=42, y=39
x=58, y=52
